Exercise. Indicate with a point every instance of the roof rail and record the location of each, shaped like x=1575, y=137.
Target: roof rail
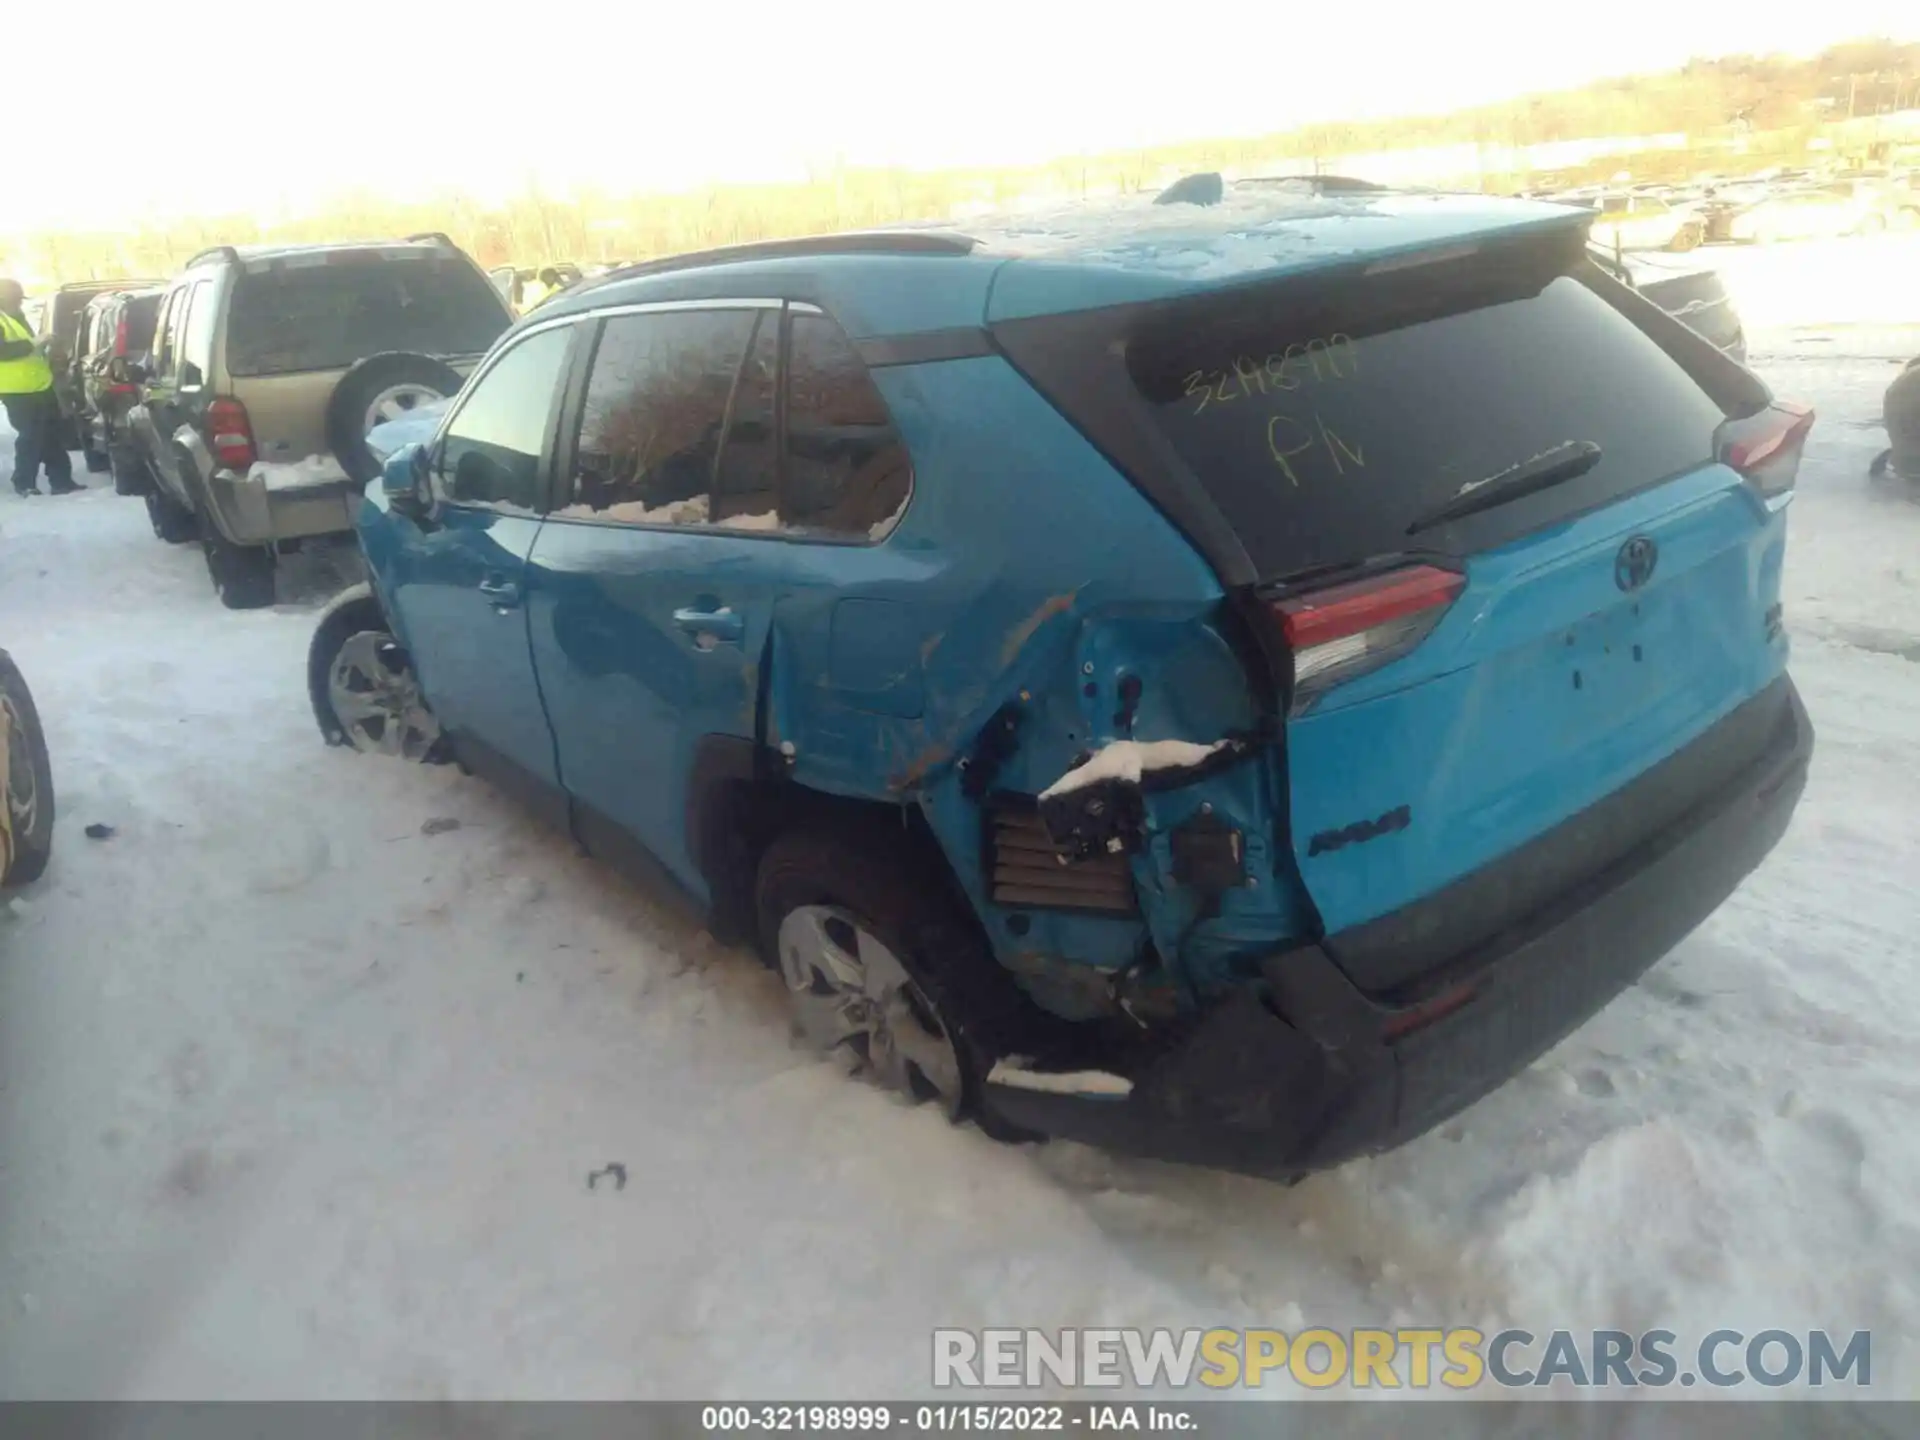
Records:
x=439, y=237
x=850, y=242
x=108, y=285
x=216, y=252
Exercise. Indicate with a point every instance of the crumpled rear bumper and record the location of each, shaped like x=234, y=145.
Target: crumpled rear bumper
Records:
x=1305, y=1071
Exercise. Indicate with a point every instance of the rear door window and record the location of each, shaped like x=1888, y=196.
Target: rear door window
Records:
x=326, y=310
x=680, y=427
x=847, y=471
x=196, y=334
x=677, y=427
x=1328, y=435
x=173, y=314
x=139, y=316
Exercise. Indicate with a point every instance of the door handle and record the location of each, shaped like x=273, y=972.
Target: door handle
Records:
x=504, y=593
x=711, y=627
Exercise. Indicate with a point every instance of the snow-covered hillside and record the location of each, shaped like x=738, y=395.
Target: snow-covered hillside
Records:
x=304, y=1071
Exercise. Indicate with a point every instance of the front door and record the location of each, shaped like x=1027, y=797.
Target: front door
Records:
x=457, y=584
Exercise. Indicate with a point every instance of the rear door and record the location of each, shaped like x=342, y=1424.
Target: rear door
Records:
x=653, y=583
x=1514, y=486
x=457, y=582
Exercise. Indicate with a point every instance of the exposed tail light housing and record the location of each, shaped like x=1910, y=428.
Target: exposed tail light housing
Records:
x=1766, y=447
x=230, y=433
x=1343, y=631
x=120, y=335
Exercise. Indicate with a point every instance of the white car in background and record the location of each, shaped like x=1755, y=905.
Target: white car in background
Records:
x=1648, y=222
x=1825, y=212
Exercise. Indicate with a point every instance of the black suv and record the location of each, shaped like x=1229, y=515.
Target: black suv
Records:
x=118, y=328
x=60, y=323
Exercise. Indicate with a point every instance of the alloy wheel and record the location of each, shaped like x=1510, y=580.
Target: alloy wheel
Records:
x=850, y=993
x=376, y=699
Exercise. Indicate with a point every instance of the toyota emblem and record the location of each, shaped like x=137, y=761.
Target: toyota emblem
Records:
x=1633, y=566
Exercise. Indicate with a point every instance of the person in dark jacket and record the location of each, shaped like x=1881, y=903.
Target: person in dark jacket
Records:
x=26, y=390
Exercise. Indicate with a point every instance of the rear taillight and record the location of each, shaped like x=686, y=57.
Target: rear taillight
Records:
x=1765, y=448
x=1340, y=633
x=120, y=337
x=230, y=433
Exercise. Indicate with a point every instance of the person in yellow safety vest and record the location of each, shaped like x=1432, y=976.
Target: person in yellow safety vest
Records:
x=26, y=389
x=546, y=285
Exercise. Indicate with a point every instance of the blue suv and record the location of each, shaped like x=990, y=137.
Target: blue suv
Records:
x=1224, y=681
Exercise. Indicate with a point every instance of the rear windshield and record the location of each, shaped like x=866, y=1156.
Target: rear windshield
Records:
x=325, y=316
x=1330, y=432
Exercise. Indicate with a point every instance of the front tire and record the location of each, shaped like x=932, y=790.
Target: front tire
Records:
x=29, y=791
x=97, y=461
x=363, y=689
x=881, y=964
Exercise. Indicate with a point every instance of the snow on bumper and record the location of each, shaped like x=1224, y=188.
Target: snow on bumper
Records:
x=1305, y=1070
x=284, y=500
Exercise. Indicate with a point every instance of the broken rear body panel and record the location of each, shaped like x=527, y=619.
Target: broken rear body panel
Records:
x=1029, y=587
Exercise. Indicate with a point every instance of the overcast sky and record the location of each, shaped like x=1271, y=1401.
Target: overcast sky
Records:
x=229, y=106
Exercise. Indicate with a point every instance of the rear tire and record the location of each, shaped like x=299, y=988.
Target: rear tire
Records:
x=171, y=521
x=242, y=575
x=874, y=888
x=129, y=475
x=29, y=796
x=98, y=463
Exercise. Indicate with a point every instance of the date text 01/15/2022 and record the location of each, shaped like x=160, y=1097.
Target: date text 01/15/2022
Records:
x=978, y=1419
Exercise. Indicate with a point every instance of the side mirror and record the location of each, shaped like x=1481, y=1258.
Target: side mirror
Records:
x=127, y=370
x=404, y=481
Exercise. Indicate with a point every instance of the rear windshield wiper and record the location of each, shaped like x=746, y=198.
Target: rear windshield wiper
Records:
x=1545, y=470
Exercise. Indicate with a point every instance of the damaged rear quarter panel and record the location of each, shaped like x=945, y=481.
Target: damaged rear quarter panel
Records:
x=1015, y=533
x=1025, y=572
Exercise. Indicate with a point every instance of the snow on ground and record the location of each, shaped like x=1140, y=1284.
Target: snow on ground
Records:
x=298, y=1099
